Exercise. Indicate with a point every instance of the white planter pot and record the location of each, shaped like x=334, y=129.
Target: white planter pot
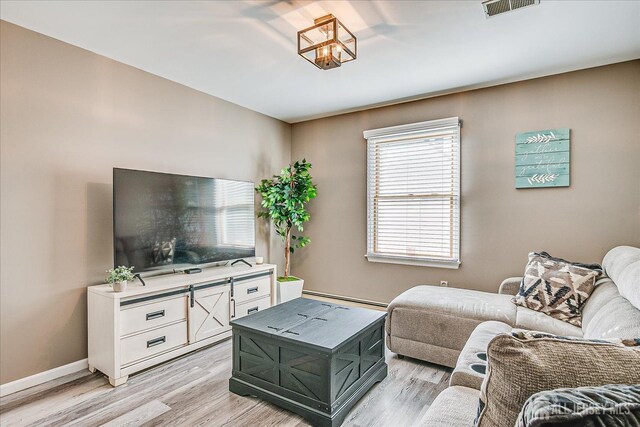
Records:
x=289, y=290
x=120, y=286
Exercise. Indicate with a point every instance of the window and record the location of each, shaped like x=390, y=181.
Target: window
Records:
x=413, y=185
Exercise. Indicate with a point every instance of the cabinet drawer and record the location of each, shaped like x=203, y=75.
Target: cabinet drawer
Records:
x=143, y=317
x=147, y=344
x=251, y=289
x=252, y=307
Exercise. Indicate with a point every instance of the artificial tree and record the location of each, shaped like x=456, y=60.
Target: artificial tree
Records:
x=284, y=198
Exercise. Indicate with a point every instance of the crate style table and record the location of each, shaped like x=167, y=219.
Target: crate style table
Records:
x=311, y=357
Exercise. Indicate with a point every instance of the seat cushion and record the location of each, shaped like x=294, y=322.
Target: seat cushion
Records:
x=463, y=375
x=454, y=407
x=536, y=321
x=476, y=305
x=442, y=317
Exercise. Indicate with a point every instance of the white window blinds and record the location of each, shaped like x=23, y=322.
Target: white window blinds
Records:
x=413, y=185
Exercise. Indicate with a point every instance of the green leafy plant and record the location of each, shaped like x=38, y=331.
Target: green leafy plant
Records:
x=119, y=274
x=284, y=198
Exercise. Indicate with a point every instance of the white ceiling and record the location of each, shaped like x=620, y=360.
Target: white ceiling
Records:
x=245, y=51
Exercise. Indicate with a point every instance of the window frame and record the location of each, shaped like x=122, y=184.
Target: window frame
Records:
x=409, y=131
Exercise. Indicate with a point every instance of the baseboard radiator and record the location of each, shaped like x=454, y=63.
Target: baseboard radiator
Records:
x=343, y=298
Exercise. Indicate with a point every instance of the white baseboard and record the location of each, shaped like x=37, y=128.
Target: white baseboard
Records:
x=42, y=377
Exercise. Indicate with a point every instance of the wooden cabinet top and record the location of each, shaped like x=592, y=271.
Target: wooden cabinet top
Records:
x=180, y=280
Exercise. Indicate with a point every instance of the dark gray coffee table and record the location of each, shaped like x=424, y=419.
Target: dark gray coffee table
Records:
x=310, y=357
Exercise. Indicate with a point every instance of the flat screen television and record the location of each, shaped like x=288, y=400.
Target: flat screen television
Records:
x=164, y=222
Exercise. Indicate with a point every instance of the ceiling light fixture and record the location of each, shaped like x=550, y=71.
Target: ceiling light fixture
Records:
x=496, y=7
x=327, y=44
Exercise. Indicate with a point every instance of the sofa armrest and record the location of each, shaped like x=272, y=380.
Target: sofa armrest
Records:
x=510, y=286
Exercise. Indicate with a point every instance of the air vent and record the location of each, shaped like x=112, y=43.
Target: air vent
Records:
x=497, y=7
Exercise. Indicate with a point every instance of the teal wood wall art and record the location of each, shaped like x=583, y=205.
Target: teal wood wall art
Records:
x=542, y=158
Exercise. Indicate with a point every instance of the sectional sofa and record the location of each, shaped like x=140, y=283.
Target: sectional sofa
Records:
x=453, y=327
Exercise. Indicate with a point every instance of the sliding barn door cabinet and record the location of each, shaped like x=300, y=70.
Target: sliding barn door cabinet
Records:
x=170, y=316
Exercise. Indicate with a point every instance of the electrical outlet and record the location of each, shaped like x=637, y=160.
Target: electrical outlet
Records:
x=444, y=283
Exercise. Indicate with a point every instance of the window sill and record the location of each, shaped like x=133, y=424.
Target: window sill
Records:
x=414, y=261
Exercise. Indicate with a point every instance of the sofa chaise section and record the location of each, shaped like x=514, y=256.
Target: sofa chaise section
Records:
x=433, y=323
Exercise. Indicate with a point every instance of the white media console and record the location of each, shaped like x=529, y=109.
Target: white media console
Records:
x=170, y=316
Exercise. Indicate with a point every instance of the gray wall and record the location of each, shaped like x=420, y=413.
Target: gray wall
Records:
x=68, y=117
x=500, y=224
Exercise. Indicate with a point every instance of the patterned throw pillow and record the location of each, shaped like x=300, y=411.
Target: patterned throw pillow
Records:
x=557, y=287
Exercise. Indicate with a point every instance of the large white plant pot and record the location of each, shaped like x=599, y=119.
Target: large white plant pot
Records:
x=289, y=290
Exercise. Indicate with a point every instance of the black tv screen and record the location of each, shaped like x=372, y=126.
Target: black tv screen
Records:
x=163, y=221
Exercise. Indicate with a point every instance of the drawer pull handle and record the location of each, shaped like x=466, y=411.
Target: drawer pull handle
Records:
x=156, y=341
x=252, y=310
x=252, y=290
x=155, y=315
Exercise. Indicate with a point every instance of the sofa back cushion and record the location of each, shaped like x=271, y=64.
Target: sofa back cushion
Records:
x=519, y=367
x=612, y=310
x=604, y=292
x=622, y=265
x=616, y=318
x=629, y=284
x=619, y=258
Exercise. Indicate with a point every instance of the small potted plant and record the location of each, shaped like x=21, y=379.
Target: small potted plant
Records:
x=119, y=277
x=284, y=198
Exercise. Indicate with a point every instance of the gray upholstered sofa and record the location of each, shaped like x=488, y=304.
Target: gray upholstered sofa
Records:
x=451, y=327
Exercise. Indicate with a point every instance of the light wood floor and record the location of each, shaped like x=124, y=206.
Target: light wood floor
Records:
x=193, y=391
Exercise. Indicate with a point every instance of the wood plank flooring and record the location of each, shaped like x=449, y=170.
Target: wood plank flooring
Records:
x=193, y=391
